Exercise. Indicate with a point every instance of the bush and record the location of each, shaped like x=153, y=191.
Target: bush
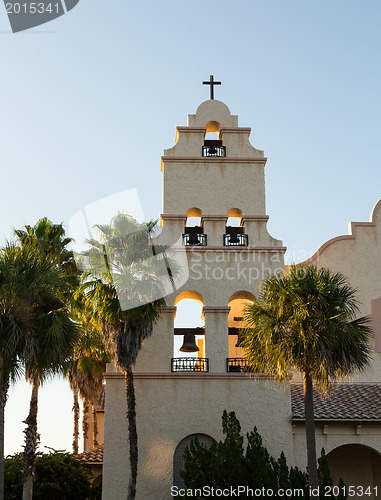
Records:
x=59, y=476
x=227, y=464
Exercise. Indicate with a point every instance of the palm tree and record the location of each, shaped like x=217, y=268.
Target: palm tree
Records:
x=306, y=321
x=17, y=279
x=54, y=331
x=85, y=374
x=124, y=289
x=75, y=411
x=55, y=335
x=24, y=280
x=49, y=240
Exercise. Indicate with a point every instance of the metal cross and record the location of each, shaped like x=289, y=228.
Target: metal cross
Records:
x=212, y=83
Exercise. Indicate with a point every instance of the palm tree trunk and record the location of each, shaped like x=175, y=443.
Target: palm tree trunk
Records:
x=132, y=432
x=310, y=436
x=76, y=422
x=31, y=440
x=95, y=428
x=3, y=400
x=85, y=424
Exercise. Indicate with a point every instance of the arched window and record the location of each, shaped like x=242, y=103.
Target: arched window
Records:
x=189, y=331
x=212, y=142
x=193, y=217
x=178, y=457
x=235, y=232
x=211, y=136
x=193, y=230
x=237, y=303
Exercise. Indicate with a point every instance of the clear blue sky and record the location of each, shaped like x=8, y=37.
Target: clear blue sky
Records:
x=90, y=100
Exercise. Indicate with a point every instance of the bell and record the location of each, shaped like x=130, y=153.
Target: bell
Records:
x=189, y=343
x=212, y=151
x=193, y=239
x=233, y=240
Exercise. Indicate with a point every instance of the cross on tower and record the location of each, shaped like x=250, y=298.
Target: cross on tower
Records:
x=212, y=83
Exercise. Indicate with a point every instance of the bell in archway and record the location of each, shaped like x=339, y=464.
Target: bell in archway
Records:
x=234, y=240
x=189, y=343
x=193, y=239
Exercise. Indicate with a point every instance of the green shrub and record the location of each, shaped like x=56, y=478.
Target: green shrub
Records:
x=228, y=464
x=59, y=476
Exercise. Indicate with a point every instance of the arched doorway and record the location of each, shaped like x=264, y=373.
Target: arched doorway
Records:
x=357, y=465
x=178, y=457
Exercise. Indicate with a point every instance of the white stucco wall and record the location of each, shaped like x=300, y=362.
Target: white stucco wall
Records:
x=173, y=406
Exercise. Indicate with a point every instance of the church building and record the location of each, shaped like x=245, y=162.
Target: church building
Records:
x=185, y=376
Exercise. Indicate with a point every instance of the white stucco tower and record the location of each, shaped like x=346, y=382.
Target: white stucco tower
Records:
x=219, y=181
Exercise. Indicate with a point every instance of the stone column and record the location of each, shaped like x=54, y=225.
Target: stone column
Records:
x=173, y=229
x=214, y=227
x=255, y=228
x=216, y=337
x=157, y=350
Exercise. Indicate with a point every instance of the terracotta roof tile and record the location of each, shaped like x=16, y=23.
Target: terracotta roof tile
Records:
x=92, y=456
x=344, y=401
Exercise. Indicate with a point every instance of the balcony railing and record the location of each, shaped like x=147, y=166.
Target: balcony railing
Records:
x=189, y=365
x=214, y=151
x=235, y=237
x=195, y=239
x=236, y=240
x=237, y=365
x=213, y=148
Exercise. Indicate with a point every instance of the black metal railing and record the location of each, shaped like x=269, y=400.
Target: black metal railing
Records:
x=237, y=365
x=189, y=365
x=236, y=240
x=195, y=239
x=217, y=151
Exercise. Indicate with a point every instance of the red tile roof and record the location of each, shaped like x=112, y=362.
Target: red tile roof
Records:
x=94, y=456
x=343, y=402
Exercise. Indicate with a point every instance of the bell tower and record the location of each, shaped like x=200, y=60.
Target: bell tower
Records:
x=220, y=182
x=214, y=209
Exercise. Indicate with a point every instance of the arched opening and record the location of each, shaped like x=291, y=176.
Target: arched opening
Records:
x=97, y=481
x=233, y=222
x=193, y=217
x=189, y=333
x=193, y=230
x=235, y=231
x=178, y=457
x=189, y=294
x=235, y=212
x=212, y=141
x=237, y=303
x=211, y=136
x=213, y=127
x=357, y=465
x=96, y=486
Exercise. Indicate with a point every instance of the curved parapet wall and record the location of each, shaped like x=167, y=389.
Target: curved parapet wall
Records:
x=358, y=257
x=213, y=110
x=374, y=221
x=213, y=116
